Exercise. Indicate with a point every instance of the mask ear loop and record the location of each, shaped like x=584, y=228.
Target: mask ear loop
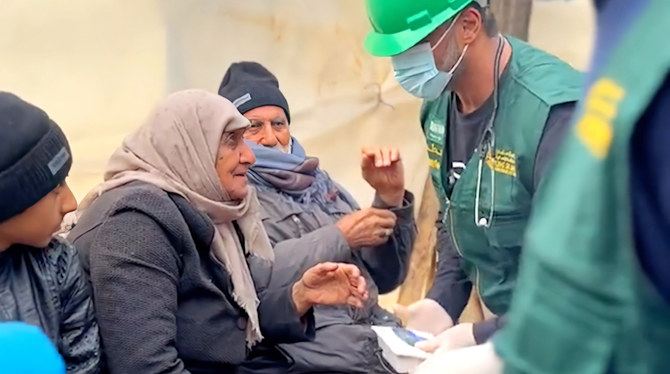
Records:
x=432, y=48
x=487, y=145
x=465, y=49
x=458, y=62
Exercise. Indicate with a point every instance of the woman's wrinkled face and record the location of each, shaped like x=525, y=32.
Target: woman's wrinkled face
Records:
x=232, y=162
x=269, y=127
x=36, y=225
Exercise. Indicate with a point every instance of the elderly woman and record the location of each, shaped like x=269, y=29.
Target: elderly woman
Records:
x=310, y=218
x=177, y=255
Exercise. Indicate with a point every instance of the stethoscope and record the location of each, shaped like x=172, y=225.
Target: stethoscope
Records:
x=487, y=145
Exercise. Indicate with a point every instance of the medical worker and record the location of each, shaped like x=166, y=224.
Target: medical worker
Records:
x=495, y=110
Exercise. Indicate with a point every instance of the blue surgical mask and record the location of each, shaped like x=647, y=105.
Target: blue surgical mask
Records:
x=416, y=72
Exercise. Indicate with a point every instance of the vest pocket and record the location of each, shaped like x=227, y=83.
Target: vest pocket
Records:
x=507, y=230
x=505, y=238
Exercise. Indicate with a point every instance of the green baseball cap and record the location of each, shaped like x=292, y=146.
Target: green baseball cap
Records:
x=398, y=25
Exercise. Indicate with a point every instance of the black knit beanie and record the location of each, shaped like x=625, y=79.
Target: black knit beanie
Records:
x=35, y=156
x=250, y=85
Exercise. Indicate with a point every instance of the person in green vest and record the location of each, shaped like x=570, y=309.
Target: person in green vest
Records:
x=594, y=290
x=603, y=250
x=495, y=110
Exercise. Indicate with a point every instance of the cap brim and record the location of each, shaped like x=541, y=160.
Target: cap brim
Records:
x=386, y=45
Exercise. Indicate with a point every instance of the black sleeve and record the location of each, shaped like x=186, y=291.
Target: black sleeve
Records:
x=79, y=339
x=135, y=277
x=279, y=320
x=557, y=126
x=650, y=190
x=484, y=330
x=451, y=288
x=388, y=263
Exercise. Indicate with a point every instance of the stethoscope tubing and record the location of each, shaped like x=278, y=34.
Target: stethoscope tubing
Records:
x=487, y=146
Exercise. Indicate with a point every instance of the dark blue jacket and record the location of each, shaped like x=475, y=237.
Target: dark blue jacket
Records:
x=45, y=287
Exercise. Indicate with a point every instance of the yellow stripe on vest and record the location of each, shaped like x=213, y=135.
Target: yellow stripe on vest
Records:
x=595, y=129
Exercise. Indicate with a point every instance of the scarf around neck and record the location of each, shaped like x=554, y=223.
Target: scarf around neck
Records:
x=295, y=176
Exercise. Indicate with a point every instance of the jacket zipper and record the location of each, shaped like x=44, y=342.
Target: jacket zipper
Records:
x=453, y=240
x=447, y=159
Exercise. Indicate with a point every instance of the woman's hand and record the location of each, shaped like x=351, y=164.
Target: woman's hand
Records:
x=330, y=283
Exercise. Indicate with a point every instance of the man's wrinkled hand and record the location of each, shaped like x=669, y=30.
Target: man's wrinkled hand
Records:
x=367, y=227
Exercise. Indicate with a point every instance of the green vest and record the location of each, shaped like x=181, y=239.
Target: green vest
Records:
x=533, y=83
x=583, y=304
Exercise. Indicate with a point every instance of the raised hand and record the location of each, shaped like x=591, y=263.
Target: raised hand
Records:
x=382, y=168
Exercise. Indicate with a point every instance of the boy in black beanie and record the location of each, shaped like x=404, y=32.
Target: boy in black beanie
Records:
x=41, y=282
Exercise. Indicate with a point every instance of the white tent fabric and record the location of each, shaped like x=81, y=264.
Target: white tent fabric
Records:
x=97, y=66
x=340, y=97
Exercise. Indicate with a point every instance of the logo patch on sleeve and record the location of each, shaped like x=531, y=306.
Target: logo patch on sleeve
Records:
x=595, y=129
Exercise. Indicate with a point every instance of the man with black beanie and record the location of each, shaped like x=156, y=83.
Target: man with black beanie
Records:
x=41, y=282
x=250, y=85
x=310, y=218
x=254, y=90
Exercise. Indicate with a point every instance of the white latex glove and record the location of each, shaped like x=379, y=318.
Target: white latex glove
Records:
x=480, y=359
x=424, y=315
x=459, y=336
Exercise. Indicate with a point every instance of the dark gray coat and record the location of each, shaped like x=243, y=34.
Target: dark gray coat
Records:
x=163, y=305
x=44, y=287
x=344, y=342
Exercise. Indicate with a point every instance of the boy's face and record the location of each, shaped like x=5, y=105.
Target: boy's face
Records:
x=36, y=225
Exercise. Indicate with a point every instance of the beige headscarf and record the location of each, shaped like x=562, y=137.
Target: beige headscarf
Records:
x=176, y=151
